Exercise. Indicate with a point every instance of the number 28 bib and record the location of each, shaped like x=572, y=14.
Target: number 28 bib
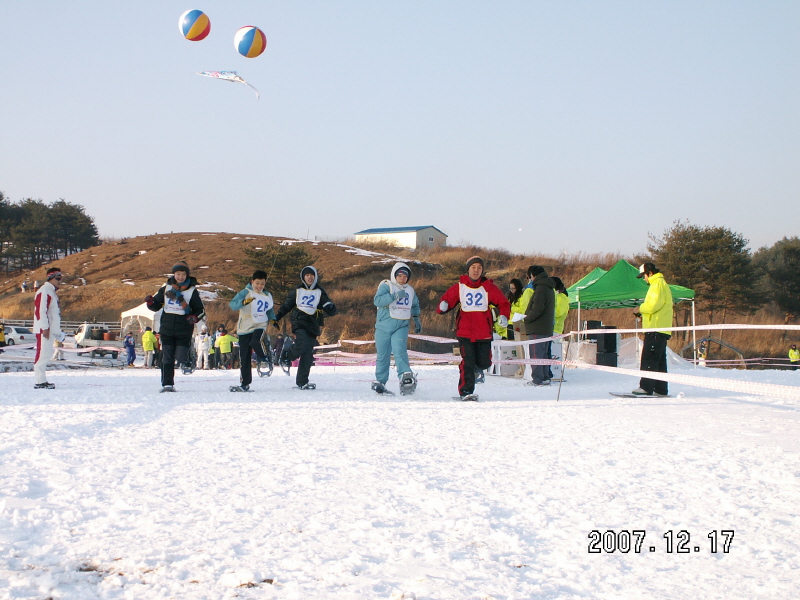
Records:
x=308, y=300
x=260, y=306
x=473, y=299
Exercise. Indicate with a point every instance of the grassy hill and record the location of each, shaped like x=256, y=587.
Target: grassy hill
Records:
x=103, y=281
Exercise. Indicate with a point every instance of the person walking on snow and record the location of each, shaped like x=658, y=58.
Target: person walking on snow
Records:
x=397, y=305
x=129, y=343
x=183, y=309
x=472, y=296
x=656, y=312
x=46, y=326
x=307, y=304
x=255, y=305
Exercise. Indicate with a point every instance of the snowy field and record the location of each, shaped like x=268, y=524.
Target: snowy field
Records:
x=111, y=490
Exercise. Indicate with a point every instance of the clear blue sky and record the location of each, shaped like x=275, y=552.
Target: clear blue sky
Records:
x=534, y=126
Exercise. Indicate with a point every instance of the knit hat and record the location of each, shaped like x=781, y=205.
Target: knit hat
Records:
x=405, y=270
x=475, y=259
x=181, y=266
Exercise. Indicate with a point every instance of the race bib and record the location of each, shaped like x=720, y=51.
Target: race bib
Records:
x=473, y=299
x=261, y=305
x=174, y=307
x=308, y=300
x=401, y=309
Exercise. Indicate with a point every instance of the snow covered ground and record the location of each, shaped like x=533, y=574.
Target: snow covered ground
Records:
x=110, y=490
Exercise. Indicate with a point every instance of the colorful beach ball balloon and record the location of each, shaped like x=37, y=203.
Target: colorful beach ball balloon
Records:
x=194, y=25
x=250, y=41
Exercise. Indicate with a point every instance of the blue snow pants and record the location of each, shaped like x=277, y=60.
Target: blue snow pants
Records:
x=387, y=344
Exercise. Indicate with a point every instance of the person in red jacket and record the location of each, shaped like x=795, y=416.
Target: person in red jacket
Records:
x=474, y=296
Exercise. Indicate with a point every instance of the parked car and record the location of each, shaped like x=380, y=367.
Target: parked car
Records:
x=18, y=335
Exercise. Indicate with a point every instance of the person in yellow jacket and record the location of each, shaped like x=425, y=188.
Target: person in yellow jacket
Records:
x=794, y=357
x=224, y=344
x=149, y=344
x=656, y=312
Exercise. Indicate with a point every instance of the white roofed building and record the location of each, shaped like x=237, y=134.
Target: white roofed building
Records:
x=404, y=237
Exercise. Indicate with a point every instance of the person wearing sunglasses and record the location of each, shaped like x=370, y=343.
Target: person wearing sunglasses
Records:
x=46, y=326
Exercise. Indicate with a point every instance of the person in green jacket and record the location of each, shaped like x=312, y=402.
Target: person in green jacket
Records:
x=149, y=343
x=656, y=312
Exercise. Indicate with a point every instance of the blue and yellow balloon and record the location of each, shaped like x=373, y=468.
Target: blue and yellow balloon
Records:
x=250, y=41
x=194, y=25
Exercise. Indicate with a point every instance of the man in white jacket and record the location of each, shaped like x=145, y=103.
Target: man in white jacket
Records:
x=46, y=326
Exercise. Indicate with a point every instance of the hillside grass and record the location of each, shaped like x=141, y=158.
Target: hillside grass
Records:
x=103, y=281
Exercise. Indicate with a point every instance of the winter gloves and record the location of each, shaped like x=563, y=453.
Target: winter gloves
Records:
x=502, y=320
x=417, y=326
x=443, y=306
x=400, y=294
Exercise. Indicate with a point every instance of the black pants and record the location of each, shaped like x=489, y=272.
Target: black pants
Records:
x=654, y=358
x=303, y=348
x=474, y=355
x=250, y=342
x=173, y=348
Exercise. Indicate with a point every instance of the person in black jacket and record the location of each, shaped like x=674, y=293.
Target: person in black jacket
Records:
x=183, y=308
x=539, y=321
x=306, y=305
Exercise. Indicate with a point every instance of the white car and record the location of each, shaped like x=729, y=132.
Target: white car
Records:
x=18, y=335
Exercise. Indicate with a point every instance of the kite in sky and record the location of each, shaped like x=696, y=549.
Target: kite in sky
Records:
x=232, y=76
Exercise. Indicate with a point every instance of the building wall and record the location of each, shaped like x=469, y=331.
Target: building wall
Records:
x=408, y=239
x=430, y=237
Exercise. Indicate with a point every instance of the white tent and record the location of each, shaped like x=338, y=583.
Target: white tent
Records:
x=137, y=318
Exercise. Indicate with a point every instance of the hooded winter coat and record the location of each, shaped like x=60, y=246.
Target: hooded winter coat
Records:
x=475, y=325
x=657, y=306
x=384, y=297
x=306, y=306
x=541, y=311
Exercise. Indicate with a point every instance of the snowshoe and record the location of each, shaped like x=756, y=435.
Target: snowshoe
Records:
x=408, y=383
x=480, y=377
x=44, y=386
x=264, y=368
x=379, y=388
x=239, y=388
x=168, y=388
x=467, y=398
x=308, y=386
x=285, y=363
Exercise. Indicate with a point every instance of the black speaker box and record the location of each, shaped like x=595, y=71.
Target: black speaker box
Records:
x=607, y=342
x=607, y=359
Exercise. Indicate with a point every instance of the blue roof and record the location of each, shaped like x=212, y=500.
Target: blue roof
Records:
x=397, y=230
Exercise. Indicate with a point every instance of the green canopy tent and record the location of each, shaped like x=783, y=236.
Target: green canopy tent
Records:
x=617, y=288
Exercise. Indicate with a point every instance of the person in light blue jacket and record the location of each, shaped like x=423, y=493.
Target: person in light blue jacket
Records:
x=255, y=306
x=398, y=306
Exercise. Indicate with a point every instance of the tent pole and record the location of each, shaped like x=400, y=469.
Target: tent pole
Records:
x=694, y=336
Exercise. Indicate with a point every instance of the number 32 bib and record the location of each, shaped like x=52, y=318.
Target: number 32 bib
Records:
x=473, y=299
